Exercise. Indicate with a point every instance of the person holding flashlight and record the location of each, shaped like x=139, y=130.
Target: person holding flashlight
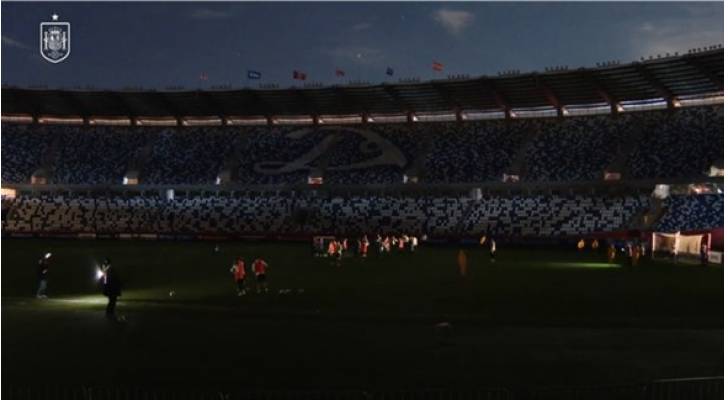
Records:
x=111, y=287
x=43, y=264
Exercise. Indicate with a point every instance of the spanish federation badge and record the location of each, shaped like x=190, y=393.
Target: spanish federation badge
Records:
x=55, y=40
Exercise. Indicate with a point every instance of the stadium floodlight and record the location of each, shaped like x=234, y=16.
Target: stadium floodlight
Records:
x=48, y=255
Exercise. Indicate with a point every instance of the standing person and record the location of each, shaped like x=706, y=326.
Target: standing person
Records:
x=675, y=251
x=259, y=269
x=403, y=242
x=636, y=252
x=492, y=250
x=462, y=263
x=595, y=245
x=238, y=271
x=380, y=244
x=340, y=247
x=43, y=264
x=580, y=245
x=363, y=247
x=111, y=287
x=704, y=255
x=413, y=243
x=611, y=253
x=334, y=253
x=332, y=248
x=629, y=250
x=106, y=264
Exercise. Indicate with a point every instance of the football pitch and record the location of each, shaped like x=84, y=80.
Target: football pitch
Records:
x=534, y=317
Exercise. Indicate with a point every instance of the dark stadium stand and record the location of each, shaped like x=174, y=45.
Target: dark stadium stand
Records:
x=653, y=122
x=276, y=214
x=672, y=144
x=576, y=149
x=22, y=149
x=680, y=144
x=476, y=152
x=689, y=213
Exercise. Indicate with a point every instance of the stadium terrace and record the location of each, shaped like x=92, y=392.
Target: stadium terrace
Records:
x=659, y=125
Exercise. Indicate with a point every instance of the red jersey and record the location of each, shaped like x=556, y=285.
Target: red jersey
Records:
x=259, y=266
x=332, y=247
x=239, y=270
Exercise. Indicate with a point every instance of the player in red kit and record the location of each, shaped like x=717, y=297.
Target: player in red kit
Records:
x=238, y=271
x=363, y=247
x=335, y=249
x=259, y=268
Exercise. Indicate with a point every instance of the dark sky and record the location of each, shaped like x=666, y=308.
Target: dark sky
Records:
x=156, y=45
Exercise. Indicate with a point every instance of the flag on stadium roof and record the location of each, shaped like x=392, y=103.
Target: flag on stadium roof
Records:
x=254, y=74
x=340, y=72
x=301, y=76
x=203, y=76
x=437, y=66
x=390, y=71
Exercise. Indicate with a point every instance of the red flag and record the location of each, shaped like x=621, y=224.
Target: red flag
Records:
x=301, y=76
x=339, y=72
x=437, y=66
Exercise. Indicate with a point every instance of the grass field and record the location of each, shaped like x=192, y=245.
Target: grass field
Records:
x=535, y=317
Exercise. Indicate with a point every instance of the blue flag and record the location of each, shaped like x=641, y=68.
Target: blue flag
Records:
x=390, y=71
x=254, y=74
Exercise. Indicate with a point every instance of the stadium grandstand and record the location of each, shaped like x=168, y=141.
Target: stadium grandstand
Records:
x=435, y=157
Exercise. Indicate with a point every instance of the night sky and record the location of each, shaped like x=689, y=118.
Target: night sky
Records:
x=156, y=45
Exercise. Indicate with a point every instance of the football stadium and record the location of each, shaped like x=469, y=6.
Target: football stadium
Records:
x=554, y=234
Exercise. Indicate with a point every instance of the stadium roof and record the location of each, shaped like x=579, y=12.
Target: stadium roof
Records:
x=667, y=78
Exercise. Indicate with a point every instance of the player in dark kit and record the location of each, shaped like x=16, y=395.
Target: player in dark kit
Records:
x=43, y=265
x=111, y=287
